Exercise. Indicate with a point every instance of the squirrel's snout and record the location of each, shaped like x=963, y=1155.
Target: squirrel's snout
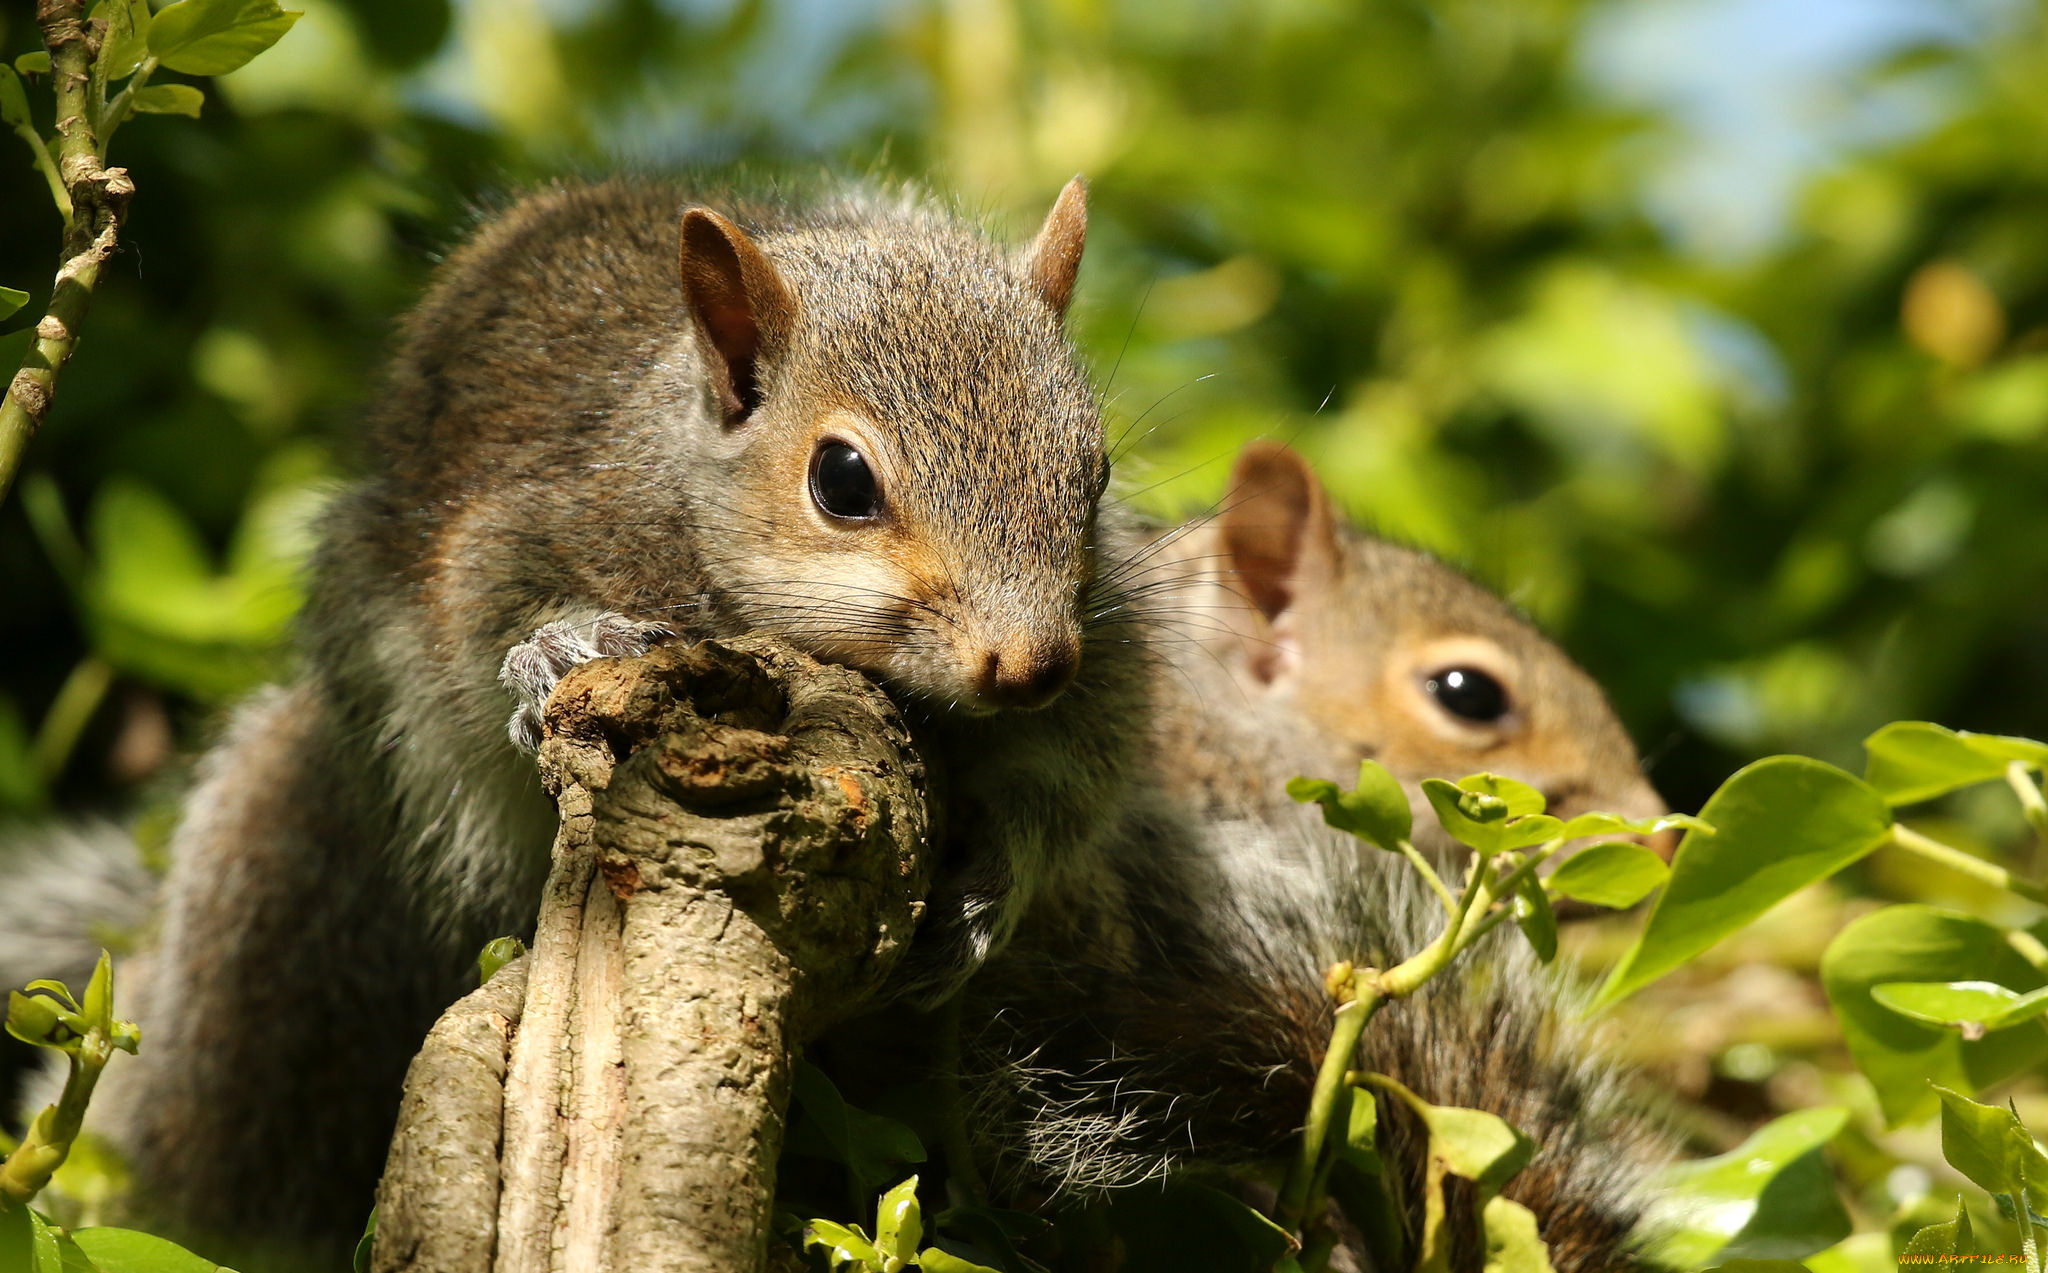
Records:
x=1021, y=677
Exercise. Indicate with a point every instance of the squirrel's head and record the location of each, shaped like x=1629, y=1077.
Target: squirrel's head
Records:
x=909, y=456
x=1407, y=661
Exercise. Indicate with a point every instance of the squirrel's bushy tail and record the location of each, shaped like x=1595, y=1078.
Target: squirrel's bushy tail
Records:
x=1184, y=1030
x=67, y=891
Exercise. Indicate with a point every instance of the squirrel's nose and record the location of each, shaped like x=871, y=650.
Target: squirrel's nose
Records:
x=1021, y=677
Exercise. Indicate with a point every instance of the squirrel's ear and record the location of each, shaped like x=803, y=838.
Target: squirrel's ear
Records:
x=738, y=300
x=1054, y=257
x=1279, y=533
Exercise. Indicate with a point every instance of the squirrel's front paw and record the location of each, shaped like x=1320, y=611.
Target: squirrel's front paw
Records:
x=533, y=666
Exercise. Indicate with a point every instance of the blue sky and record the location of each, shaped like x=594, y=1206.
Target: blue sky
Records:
x=1764, y=93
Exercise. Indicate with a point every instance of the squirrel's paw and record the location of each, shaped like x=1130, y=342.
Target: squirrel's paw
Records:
x=533, y=666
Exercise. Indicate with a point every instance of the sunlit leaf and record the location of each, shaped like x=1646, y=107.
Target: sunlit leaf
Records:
x=1779, y=825
x=127, y=1251
x=1961, y=1003
x=170, y=99
x=1479, y=1146
x=36, y=63
x=47, y=1254
x=1360, y=1146
x=213, y=37
x=899, y=1222
x=1990, y=1147
x=127, y=39
x=1615, y=874
x=1375, y=810
x=1900, y=1056
x=1473, y=818
x=496, y=953
x=1520, y=798
x=1911, y=761
x=1950, y=1238
x=1770, y=1198
x=1513, y=1244
x=11, y=299
x=1585, y=824
x=844, y=1244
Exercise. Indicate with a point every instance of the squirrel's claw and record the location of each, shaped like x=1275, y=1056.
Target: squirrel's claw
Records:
x=532, y=667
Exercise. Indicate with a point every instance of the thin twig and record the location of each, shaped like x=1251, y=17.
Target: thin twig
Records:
x=99, y=197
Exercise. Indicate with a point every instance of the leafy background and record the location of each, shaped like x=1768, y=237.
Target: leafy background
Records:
x=1713, y=332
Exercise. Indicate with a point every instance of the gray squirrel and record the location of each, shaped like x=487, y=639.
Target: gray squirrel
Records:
x=1175, y=1022
x=616, y=415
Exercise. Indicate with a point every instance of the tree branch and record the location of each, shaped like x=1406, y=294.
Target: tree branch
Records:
x=99, y=199
x=740, y=863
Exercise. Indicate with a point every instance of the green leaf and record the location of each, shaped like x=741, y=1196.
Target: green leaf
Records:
x=1612, y=874
x=872, y=1147
x=361, y=1263
x=1990, y=1147
x=1360, y=1146
x=1479, y=1146
x=1857, y=1253
x=39, y=1020
x=1770, y=1198
x=1586, y=824
x=1474, y=818
x=127, y=1251
x=1376, y=810
x=98, y=1008
x=1760, y=1266
x=899, y=1223
x=72, y=1258
x=17, y=1236
x=1981, y=1004
x=1911, y=761
x=1513, y=1244
x=1952, y=1238
x=1900, y=1056
x=213, y=37
x=1520, y=798
x=936, y=1261
x=48, y=1256
x=1779, y=825
x=170, y=99
x=496, y=953
x=127, y=39
x=844, y=1244
x=36, y=63
x=1535, y=918
x=11, y=299
x=13, y=101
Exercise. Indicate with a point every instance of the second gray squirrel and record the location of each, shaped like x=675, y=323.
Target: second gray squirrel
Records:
x=1175, y=1022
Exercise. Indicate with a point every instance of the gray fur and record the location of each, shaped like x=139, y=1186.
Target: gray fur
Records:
x=69, y=891
x=1190, y=1040
x=554, y=452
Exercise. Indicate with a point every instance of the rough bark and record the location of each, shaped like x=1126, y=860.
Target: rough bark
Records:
x=740, y=862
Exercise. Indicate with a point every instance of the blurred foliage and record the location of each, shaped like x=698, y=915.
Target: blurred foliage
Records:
x=1772, y=500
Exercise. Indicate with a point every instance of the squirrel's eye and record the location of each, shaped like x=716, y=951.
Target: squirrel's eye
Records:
x=1468, y=693
x=842, y=484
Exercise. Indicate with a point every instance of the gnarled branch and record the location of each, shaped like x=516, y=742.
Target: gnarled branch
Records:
x=740, y=862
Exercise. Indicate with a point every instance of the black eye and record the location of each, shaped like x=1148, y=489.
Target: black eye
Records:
x=1468, y=692
x=842, y=484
